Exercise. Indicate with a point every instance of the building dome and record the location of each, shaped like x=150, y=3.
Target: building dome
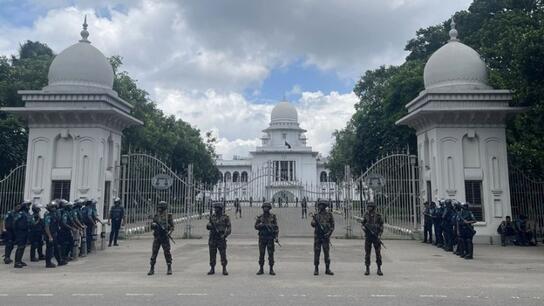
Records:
x=455, y=66
x=81, y=67
x=284, y=112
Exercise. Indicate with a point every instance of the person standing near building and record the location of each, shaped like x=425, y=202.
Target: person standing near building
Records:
x=267, y=225
x=238, y=207
x=36, y=235
x=372, y=224
x=428, y=222
x=467, y=230
x=117, y=214
x=220, y=228
x=162, y=226
x=51, y=227
x=9, y=233
x=323, y=224
x=304, y=206
x=22, y=225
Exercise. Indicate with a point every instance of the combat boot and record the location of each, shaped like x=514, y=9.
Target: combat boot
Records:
x=272, y=270
x=151, y=270
x=367, y=271
x=212, y=270
x=225, y=270
x=169, y=269
x=50, y=265
x=261, y=270
x=379, y=272
x=18, y=265
x=328, y=270
x=316, y=270
x=7, y=260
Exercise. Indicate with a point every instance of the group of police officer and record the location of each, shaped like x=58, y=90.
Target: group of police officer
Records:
x=453, y=225
x=66, y=228
x=266, y=224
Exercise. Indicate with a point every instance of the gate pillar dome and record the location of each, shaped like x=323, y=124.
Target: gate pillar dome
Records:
x=74, y=128
x=460, y=125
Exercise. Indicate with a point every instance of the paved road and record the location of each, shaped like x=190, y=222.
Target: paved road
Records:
x=415, y=274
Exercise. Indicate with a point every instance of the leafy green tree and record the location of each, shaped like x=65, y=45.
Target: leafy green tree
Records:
x=509, y=35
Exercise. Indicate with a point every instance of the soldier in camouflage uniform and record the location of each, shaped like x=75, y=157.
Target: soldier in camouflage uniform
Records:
x=372, y=224
x=323, y=222
x=267, y=225
x=220, y=228
x=162, y=226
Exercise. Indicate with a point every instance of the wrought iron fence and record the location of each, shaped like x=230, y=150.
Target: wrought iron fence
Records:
x=12, y=189
x=527, y=199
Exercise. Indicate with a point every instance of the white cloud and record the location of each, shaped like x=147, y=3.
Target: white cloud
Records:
x=238, y=123
x=197, y=57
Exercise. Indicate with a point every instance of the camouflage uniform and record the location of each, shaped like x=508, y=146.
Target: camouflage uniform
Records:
x=162, y=225
x=373, y=228
x=267, y=225
x=323, y=222
x=220, y=228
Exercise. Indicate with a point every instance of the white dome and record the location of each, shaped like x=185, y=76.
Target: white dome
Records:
x=455, y=66
x=81, y=67
x=284, y=112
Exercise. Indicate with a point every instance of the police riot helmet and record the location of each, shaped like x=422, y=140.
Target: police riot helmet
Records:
x=25, y=205
x=36, y=208
x=266, y=204
x=117, y=200
x=52, y=205
x=465, y=205
x=79, y=202
x=62, y=203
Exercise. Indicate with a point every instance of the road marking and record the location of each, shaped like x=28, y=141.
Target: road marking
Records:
x=139, y=294
x=299, y=295
x=334, y=295
x=39, y=294
x=87, y=294
x=4, y=294
x=192, y=294
x=432, y=296
x=515, y=297
x=382, y=295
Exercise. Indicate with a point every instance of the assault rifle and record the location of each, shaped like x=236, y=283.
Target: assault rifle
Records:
x=321, y=227
x=215, y=227
x=162, y=229
x=373, y=234
x=270, y=229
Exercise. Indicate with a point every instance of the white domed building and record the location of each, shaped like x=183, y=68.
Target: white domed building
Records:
x=75, y=125
x=460, y=125
x=283, y=167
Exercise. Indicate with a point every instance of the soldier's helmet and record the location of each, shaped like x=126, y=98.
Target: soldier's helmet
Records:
x=322, y=203
x=266, y=204
x=69, y=205
x=465, y=205
x=370, y=204
x=116, y=200
x=218, y=205
x=162, y=204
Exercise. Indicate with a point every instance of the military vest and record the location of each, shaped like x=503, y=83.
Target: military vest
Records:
x=324, y=223
x=271, y=228
x=221, y=225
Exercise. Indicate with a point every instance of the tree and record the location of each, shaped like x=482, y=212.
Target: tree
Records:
x=509, y=35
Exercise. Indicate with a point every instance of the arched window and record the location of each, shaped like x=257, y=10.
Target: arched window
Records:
x=227, y=177
x=323, y=177
x=244, y=177
x=220, y=180
x=236, y=177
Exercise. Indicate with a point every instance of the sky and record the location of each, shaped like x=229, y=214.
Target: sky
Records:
x=222, y=65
